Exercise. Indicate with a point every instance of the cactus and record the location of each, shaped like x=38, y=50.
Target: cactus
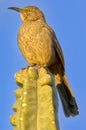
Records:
x=36, y=105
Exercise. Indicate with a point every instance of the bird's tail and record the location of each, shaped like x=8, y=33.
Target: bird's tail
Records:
x=67, y=98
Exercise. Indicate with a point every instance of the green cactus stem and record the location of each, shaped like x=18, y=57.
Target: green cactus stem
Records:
x=36, y=105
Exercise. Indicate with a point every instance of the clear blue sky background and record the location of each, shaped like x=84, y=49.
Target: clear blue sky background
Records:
x=68, y=19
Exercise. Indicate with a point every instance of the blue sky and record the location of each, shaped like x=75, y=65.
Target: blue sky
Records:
x=68, y=19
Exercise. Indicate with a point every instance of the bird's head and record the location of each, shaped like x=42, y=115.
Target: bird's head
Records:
x=29, y=12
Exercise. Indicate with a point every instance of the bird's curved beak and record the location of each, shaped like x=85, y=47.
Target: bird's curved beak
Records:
x=15, y=8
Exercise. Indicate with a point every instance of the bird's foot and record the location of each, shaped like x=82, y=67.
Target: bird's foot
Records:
x=26, y=68
x=40, y=66
x=35, y=66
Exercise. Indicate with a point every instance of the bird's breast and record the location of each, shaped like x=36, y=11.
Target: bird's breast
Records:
x=35, y=43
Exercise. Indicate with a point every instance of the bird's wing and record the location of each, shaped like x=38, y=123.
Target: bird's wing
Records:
x=58, y=49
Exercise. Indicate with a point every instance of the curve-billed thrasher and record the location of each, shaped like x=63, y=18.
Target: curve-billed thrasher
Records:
x=39, y=46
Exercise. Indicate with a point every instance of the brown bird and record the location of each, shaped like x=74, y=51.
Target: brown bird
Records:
x=39, y=46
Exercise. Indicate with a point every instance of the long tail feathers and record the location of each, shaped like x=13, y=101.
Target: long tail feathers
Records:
x=68, y=101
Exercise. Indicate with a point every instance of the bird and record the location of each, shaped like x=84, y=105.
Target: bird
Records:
x=39, y=45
